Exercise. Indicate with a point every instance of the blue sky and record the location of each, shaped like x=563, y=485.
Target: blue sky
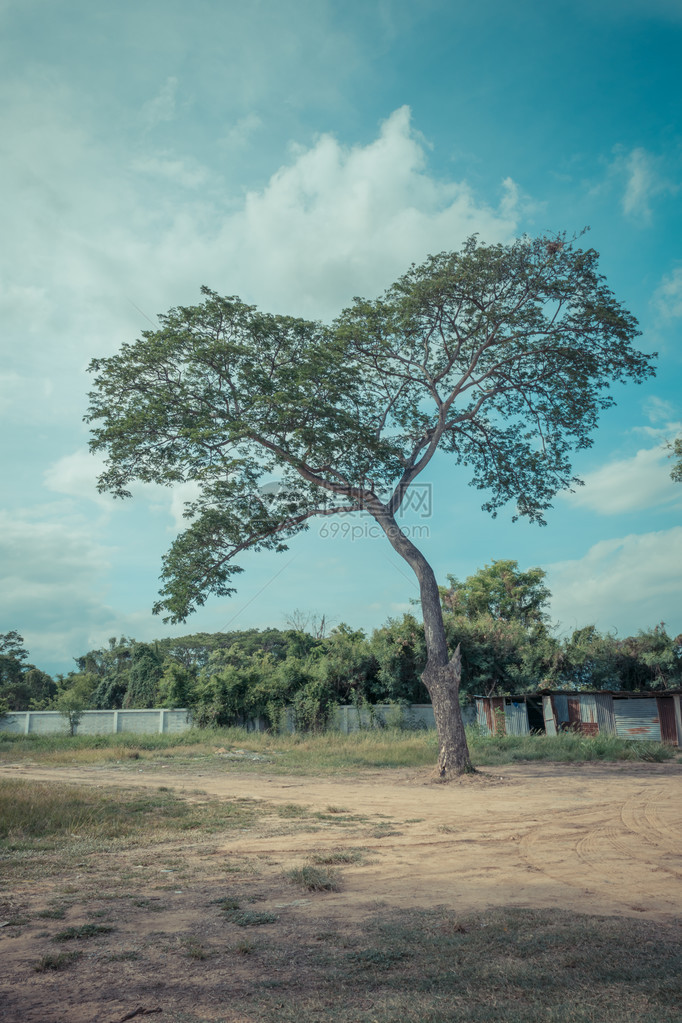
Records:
x=298, y=153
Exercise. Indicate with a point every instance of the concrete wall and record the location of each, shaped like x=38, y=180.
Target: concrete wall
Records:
x=389, y=715
x=170, y=722
x=97, y=722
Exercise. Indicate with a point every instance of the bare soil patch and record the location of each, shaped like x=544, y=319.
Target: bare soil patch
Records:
x=603, y=839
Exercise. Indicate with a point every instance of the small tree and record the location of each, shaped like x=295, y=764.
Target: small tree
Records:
x=499, y=356
x=74, y=695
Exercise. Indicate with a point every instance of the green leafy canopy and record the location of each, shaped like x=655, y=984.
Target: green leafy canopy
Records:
x=499, y=355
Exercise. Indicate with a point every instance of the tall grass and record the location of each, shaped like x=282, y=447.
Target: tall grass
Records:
x=565, y=747
x=315, y=753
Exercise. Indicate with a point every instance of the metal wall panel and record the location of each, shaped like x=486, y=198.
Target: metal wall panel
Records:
x=573, y=711
x=488, y=714
x=588, y=714
x=516, y=717
x=560, y=709
x=481, y=715
x=499, y=717
x=548, y=714
x=666, y=714
x=637, y=719
x=588, y=709
x=677, y=700
x=605, y=715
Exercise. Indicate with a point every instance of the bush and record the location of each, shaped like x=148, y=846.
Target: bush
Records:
x=313, y=706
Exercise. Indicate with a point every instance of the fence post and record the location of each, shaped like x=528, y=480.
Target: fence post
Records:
x=115, y=721
x=161, y=721
x=27, y=723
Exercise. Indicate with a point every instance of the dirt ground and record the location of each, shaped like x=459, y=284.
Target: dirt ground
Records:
x=601, y=839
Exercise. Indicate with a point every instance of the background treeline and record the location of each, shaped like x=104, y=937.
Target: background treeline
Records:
x=498, y=616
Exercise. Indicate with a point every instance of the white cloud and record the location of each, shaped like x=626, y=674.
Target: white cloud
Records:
x=84, y=238
x=76, y=475
x=162, y=106
x=51, y=582
x=626, y=583
x=628, y=484
x=340, y=221
x=667, y=299
x=644, y=177
x=187, y=173
x=641, y=184
x=659, y=410
x=240, y=134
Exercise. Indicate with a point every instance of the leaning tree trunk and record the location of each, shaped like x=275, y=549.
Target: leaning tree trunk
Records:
x=442, y=683
x=442, y=674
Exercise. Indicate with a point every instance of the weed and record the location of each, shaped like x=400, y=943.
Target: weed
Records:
x=82, y=932
x=252, y=918
x=314, y=878
x=383, y=829
x=377, y=958
x=244, y=948
x=338, y=856
x=193, y=949
x=245, y=917
x=56, y=962
x=228, y=904
x=293, y=810
x=652, y=752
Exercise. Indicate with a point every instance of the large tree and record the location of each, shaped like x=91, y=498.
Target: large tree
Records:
x=500, y=356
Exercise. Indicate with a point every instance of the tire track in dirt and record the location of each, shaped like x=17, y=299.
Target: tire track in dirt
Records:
x=602, y=839
x=619, y=857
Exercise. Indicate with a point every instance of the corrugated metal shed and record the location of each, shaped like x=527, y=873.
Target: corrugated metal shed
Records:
x=653, y=717
x=490, y=714
x=637, y=719
x=516, y=717
x=506, y=715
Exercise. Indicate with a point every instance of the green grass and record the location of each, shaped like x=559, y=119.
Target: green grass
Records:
x=566, y=747
x=337, y=856
x=32, y=811
x=319, y=754
x=315, y=878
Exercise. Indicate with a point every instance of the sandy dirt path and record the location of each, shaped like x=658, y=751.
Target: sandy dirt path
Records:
x=603, y=839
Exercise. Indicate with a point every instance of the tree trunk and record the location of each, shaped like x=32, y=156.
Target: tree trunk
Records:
x=442, y=683
x=442, y=675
